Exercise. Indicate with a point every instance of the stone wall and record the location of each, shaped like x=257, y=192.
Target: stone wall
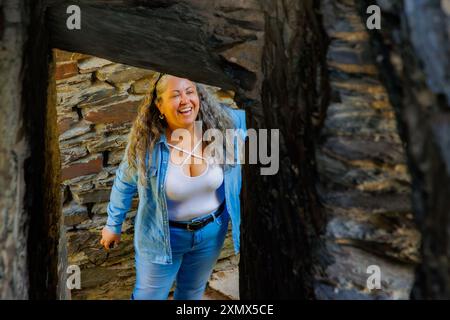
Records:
x=365, y=186
x=97, y=101
x=13, y=152
x=413, y=51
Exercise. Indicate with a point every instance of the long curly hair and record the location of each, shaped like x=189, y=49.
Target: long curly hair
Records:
x=148, y=127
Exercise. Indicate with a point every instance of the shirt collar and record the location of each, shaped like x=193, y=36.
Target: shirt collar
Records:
x=162, y=139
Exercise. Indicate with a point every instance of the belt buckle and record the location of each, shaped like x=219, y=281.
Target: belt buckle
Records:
x=195, y=223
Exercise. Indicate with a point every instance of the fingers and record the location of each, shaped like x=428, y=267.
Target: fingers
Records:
x=106, y=243
x=109, y=244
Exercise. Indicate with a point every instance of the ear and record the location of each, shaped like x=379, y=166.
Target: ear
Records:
x=158, y=105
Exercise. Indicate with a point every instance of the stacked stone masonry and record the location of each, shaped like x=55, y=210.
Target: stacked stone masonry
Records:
x=365, y=185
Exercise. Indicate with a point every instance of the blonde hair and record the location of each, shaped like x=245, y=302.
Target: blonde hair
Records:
x=148, y=127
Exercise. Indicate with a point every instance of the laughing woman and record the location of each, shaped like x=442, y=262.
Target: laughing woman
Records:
x=186, y=197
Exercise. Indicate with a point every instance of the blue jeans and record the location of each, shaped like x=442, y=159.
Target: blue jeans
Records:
x=194, y=255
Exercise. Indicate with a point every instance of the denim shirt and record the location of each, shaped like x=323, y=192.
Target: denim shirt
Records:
x=151, y=225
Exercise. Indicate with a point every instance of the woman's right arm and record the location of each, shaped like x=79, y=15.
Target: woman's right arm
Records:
x=123, y=190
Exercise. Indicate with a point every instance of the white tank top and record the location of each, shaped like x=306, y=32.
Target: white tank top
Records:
x=191, y=197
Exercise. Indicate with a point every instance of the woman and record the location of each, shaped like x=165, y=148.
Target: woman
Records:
x=186, y=196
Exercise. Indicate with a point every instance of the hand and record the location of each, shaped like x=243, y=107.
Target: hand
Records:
x=109, y=239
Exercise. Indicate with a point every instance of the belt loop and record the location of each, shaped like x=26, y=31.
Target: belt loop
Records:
x=215, y=219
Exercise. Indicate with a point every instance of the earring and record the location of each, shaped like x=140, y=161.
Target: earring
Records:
x=161, y=116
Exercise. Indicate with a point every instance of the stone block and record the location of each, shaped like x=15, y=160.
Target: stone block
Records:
x=63, y=56
x=67, y=121
x=107, y=143
x=84, y=166
x=226, y=282
x=145, y=85
x=115, y=156
x=92, y=64
x=72, y=154
x=66, y=70
x=76, y=130
x=73, y=80
x=116, y=110
x=113, y=128
x=92, y=196
x=117, y=73
x=348, y=271
x=70, y=96
x=77, y=141
x=74, y=213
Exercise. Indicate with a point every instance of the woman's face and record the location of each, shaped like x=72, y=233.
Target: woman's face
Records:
x=179, y=103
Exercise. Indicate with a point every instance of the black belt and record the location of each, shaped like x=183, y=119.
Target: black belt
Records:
x=198, y=224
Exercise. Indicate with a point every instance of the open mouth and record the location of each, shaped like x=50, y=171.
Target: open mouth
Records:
x=185, y=111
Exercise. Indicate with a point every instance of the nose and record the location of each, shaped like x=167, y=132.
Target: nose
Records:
x=184, y=98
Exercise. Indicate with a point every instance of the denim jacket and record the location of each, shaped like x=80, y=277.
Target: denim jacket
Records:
x=151, y=225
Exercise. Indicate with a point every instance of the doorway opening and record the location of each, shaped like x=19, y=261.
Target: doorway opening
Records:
x=96, y=103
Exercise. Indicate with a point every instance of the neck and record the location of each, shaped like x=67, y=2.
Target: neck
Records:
x=193, y=134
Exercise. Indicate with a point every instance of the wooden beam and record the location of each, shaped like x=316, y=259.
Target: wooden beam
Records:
x=170, y=38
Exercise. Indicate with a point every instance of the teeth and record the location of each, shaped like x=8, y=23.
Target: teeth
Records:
x=185, y=110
